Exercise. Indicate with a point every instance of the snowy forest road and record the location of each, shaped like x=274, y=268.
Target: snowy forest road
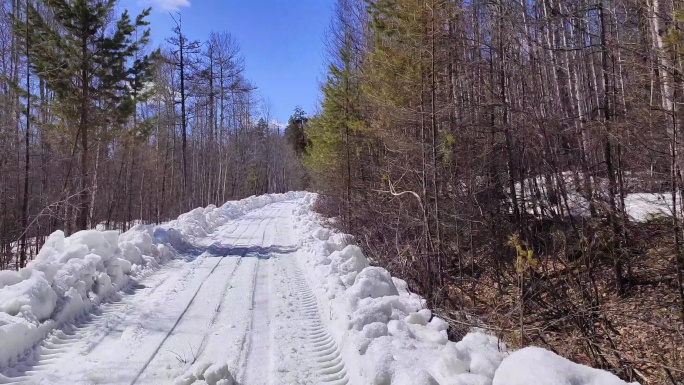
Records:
x=238, y=307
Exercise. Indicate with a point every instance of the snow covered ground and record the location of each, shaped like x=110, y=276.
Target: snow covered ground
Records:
x=639, y=207
x=253, y=292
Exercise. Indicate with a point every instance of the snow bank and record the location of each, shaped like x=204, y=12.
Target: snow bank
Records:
x=183, y=232
x=388, y=333
x=538, y=366
x=72, y=274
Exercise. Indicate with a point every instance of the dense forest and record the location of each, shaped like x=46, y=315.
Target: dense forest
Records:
x=97, y=127
x=491, y=152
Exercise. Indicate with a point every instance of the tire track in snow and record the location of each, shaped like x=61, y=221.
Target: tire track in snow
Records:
x=140, y=372
x=317, y=349
x=218, y=309
x=255, y=356
x=95, y=326
x=244, y=229
x=245, y=340
x=326, y=354
x=256, y=361
x=269, y=237
x=251, y=228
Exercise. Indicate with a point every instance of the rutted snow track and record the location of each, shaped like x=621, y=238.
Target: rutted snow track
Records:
x=321, y=346
x=300, y=331
x=210, y=317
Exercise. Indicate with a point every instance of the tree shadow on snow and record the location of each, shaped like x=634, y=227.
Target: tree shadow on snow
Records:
x=260, y=252
x=190, y=251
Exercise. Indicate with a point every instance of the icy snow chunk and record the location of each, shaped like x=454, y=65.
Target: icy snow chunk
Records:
x=71, y=305
x=73, y=251
x=336, y=242
x=196, y=372
x=401, y=285
x=17, y=335
x=347, y=263
x=378, y=362
x=131, y=252
x=140, y=238
x=96, y=242
x=438, y=324
x=450, y=365
x=53, y=244
x=150, y=261
x=533, y=365
x=372, y=282
x=9, y=278
x=206, y=372
x=427, y=334
x=368, y=334
x=476, y=353
x=103, y=285
x=322, y=234
x=421, y=317
x=78, y=273
x=112, y=237
x=383, y=309
x=33, y=295
x=426, y=330
x=164, y=252
x=187, y=378
x=350, y=259
x=218, y=372
x=124, y=265
x=370, y=310
x=399, y=329
x=408, y=378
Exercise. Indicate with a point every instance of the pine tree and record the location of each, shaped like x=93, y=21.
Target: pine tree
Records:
x=94, y=71
x=295, y=133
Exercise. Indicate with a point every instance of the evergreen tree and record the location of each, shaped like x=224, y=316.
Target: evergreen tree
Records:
x=94, y=71
x=295, y=133
x=331, y=134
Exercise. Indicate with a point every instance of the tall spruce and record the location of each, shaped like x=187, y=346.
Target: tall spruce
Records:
x=295, y=132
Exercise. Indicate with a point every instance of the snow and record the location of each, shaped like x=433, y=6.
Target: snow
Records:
x=9, y=277
x=642, y=206
x=253, y=292
x=210, y=373
x=371, y=282
x=639, y=207
x=542, y=367
x=32, y=295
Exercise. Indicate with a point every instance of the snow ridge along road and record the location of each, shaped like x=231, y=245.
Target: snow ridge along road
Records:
x=204, y=318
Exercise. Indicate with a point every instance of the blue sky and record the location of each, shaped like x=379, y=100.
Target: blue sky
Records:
x=282, y=41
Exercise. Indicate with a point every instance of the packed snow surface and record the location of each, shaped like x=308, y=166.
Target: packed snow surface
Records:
x=254, y=292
